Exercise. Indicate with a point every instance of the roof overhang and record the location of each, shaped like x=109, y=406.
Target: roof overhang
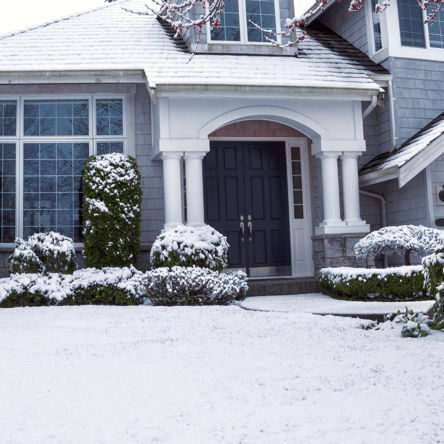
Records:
x=73, y=76
x=320, y=12
x=410, y=169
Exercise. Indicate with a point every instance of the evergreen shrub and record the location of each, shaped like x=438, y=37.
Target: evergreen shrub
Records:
x=43, y=253
x=400, y=283
x=434, y=284
x=112, y=198
x=194, y=286
x=89, y=286
x=187, y=247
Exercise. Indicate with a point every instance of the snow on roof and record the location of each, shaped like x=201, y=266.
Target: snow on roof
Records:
x=109, y=38
x=408, y=150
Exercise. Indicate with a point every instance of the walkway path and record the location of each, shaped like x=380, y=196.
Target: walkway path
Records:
x=318, y=303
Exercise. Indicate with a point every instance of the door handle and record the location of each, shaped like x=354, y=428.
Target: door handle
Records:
x=250, y=226
x=242, y=226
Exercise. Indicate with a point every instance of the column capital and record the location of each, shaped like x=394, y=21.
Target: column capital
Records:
x=194, y=155
x=334, y=154
x=171, y=154
x=351, y=154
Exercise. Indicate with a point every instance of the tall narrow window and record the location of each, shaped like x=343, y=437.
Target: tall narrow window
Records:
x=436, y=30
x=376, y=27
x=7, y=192
x=296, y=168
x=411, y=23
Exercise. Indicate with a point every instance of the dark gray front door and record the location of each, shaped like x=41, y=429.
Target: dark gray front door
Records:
x=246, y=199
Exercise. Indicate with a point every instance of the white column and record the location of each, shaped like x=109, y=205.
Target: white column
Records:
x=194, y=188
x=350, y=182
x=330, y=186
x=172, y=188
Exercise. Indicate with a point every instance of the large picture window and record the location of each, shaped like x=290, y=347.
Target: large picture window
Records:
x=43, y=155
x=235, y=21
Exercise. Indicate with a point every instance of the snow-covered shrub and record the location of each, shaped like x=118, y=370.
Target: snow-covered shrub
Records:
x=112, y=198
x=43, y=253
x=415, y=324
x=194, y=286
x=400, y=283
x=402, y=240
x=187, y=246
x=434, y=284
x=412, y=325
x=109, y=286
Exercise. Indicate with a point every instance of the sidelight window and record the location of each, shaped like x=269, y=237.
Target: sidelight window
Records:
x=44, y=145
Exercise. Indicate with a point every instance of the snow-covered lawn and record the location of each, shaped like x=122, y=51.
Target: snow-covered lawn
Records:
x=206, y=375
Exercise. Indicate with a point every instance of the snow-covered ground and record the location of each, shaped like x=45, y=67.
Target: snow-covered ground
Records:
x=204, y=375
x=322, y=304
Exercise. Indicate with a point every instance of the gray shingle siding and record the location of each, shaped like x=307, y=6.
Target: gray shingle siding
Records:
x=350, y=27
x=153, y=213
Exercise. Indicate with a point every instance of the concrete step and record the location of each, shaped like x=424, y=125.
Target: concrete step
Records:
x=281, y=286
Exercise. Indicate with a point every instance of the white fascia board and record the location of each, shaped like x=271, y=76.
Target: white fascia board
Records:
x=379, y=176
x=74, y=76
x=315, y=93
x=422, y=160
x=406, y=52
x=381, y=79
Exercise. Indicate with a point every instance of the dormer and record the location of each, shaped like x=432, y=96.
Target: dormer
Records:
x=237, y=35
x=400, y=31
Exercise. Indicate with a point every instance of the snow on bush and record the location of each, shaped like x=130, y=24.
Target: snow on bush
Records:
x=109, y=286
x=413, y=325
x=434, y=283
x=194, y=286
x=401, y=240
x=400, y=283
x=188, y=246
x=43, y=253
x=112, y=198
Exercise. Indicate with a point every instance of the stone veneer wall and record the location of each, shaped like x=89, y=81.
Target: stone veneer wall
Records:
x=336, y=250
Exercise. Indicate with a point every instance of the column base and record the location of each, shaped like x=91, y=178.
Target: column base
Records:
x=196, y=224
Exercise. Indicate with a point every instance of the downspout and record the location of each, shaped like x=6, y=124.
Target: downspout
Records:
x=370, y=108
x=392, y=117
x=383, y=214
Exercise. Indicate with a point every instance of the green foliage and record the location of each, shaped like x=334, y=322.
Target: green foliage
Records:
x=360, y=286
x=44, y=253
x=112, y=198
x=189, y=246
x=194, y=286
x=415, y=324
x=101, y=295
x=25, y=298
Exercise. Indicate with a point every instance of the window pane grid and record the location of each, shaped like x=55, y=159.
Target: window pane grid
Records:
x=52, y=179
x=109, y=117
x=436, y=30
x=7, y=192
x=56, y=117
x=109, y=147
x=230, y=27
x=296, y=171
x=262, y=13
x=8, y=118
x=411, y=23
x=376, y=27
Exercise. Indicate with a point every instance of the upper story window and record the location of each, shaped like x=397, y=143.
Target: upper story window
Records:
x=411, y=23
x=376, y=27
x=44, y=144
x=235, y=21
x=436, y=31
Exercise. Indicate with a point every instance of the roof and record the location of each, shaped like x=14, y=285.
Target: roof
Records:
x=109, y=38
x=410, y=158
